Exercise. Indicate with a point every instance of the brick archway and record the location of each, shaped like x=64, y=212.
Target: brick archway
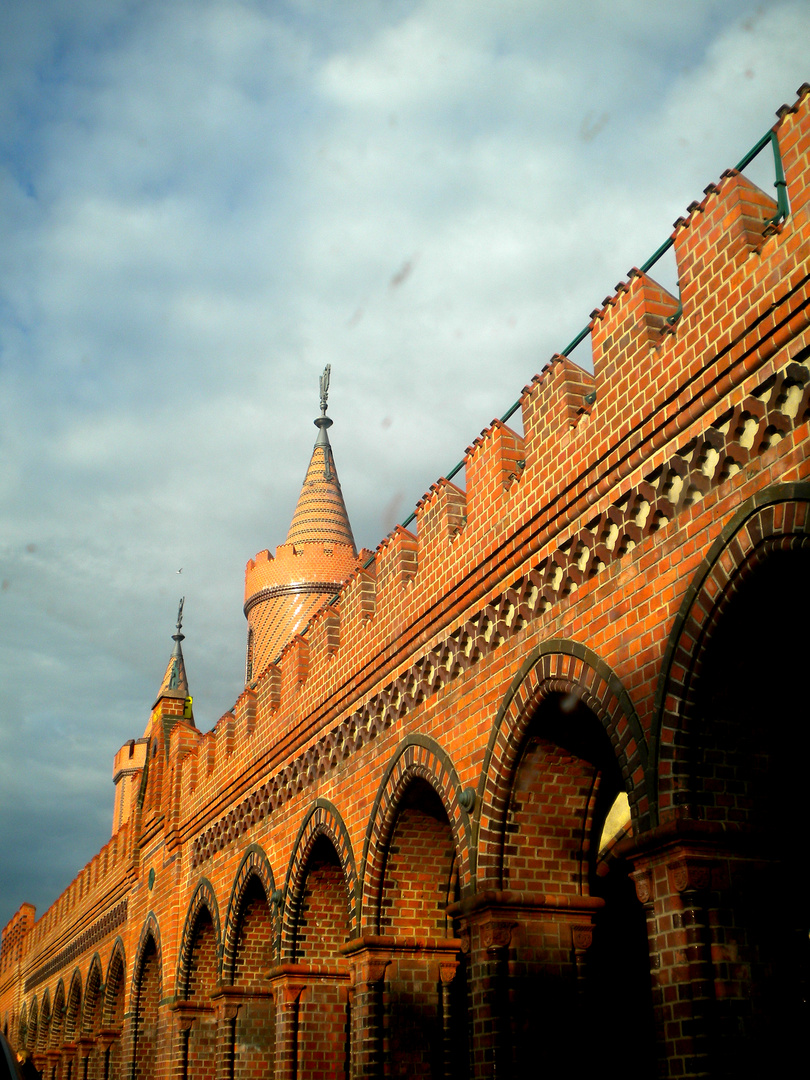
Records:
x=22, y=1027
x=147, y=984
x=150, y=930
x=57, y=1016
x=73, y=1008
x=255, y=864
x=114, y=984
x=323, y=820
x=203, y=899
x=33, y=1020
x=417, y=757
x=775, y=520
x=557, y=667
x=91, y=1009
x=44, y=1026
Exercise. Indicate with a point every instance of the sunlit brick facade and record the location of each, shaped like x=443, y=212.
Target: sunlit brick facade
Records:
x=525, y=794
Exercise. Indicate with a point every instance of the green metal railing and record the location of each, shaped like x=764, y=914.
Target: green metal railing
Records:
x=780, y=215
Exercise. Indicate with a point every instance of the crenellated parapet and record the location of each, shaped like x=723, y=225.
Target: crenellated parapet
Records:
x=604, y=461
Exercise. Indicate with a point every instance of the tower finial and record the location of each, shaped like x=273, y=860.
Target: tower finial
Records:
x=325, y=388
x=175, y=683
x=323, y=422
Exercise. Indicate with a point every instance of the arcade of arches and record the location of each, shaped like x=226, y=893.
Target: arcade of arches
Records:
x=401, y=968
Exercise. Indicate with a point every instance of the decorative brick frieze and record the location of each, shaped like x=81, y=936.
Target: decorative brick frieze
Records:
x=108, y=922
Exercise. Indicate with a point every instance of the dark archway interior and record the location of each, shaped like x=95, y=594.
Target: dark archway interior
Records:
x=147, y=1000
x=750, y=747
x=566, y=782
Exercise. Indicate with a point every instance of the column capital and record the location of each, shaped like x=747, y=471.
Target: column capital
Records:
x=689, y=874
x=85, y=1044
x=107, y=1036
x=188, y=1010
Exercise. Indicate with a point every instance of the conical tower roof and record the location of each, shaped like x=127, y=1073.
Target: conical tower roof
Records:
x=284, y=591
x=320, y=515
x=175, y=683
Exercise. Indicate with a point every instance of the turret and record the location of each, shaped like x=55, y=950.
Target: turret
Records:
x=172, y=704
x=283, y=592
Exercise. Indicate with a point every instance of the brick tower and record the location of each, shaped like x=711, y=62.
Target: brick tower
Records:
x=173, y=703
x=283, y=592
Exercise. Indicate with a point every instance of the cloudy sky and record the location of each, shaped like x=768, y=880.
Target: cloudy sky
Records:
x=202, y=202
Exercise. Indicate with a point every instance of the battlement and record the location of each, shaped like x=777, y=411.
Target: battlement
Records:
x=623, y=450
x=72, y=913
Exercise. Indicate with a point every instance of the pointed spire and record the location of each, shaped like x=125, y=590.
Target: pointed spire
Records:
x=283, y=591
x=174, y=681
x=320, y=516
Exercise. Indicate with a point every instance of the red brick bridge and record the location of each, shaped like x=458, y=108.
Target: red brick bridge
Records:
x=521, y=792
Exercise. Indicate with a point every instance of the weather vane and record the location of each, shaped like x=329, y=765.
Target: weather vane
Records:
x=325, y=388
x=179, y=620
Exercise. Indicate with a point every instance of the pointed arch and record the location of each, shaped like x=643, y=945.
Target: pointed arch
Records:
x=22, y=1027
x=57, y=1016
x=114, y=984
x=44, y=1029
x=73, y=1007
x=322, y=820
x=776, y=519
x=147, y=982
x=559, y=667
x=33, y=1021
x=204, y=899
x=150, y=930
x=254, y=865
x=416, y=757
x=91, y=1009
x=733, y=745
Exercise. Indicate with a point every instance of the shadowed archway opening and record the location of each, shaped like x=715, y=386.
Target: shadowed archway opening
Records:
x=425, y=1002
x=322, y=927
x=111, y=1064
x=748, y=744
x=578, y=964
x=44, y=1029
x=255, y=1023
x=146, y=1021
x=91, y=1022
x=33, y=1020
x=200, y=982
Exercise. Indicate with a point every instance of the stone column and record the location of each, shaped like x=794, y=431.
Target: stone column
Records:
x=68, y=1063
x=186, y=1013
x=287, y=993
x=581, y=940
x=447, y=972
x=104, y=1040
x=526, y=966
x=53, y=1061
x=227, y=1001
x=85, y=1047
x=691, y=879
x=369, y=958
x=673, y=878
